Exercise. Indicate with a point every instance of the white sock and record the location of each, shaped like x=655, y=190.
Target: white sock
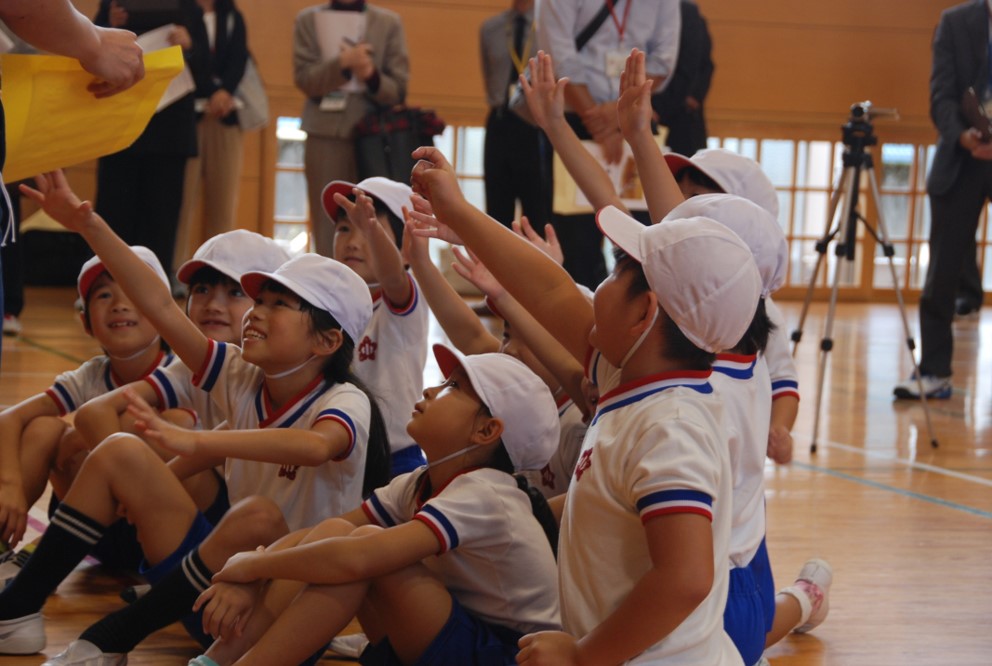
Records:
x=805, y=605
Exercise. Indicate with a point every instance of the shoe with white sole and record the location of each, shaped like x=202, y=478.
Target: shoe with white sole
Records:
x=84, y=653
x=352, y=645
x=814, y=581
x=22, y=635
x=934, y=388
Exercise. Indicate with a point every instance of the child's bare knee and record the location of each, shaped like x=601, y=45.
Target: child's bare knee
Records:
x=254, y=521
x=118, y=453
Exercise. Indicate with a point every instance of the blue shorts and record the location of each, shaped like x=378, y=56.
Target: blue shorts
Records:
x=750, y=607
x=464, y=640
x=407, y=460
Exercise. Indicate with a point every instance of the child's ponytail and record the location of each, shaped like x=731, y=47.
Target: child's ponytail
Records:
x=338, y=370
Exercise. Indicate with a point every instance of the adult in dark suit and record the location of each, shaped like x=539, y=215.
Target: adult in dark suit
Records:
x=379, y=60
x=517, y=162
x=959, y=184
x=139, y=190
x=680, y=105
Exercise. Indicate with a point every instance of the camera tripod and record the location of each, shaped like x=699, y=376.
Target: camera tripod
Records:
x=858, y=135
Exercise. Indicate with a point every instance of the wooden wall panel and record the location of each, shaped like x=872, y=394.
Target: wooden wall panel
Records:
x=785, y=68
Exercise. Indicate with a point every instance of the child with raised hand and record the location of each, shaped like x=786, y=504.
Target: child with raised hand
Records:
x=523, y=338
x=368, y=232
x=652, y=487
x=445, y=565
x=305, y=439
x=217, y=305
x=35, y=444
x=658, y=174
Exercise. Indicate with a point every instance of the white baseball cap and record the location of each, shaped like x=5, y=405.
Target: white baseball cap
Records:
x=733, y=172
x=514, y=395
x=234, y=253
x=756, y=227
x=702, y=272
x=325, y=284
x=393, y=194
x=94, y=267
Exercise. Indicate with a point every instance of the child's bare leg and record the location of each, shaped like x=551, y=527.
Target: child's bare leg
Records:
x=787, y=616
x=39, y=450
x=276, y=597
x=123, y=472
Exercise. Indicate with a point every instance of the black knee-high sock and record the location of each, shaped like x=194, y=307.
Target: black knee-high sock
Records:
x=67, y=540
x=168, y=601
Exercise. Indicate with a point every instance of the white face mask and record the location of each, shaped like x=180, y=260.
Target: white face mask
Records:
x=287, y=373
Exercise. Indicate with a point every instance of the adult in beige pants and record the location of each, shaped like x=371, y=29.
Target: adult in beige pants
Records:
x=210, y=193
x=379, y=60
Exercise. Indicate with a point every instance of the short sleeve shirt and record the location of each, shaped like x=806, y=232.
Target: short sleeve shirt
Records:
x=306, y=495
x=72, y=389
x=494, y=557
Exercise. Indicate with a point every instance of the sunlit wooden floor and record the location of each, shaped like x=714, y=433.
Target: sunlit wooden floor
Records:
x=907, y=528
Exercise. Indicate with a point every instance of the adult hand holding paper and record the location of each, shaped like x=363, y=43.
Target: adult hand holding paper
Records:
x=54, y=120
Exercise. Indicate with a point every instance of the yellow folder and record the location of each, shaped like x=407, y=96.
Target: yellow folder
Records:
x=54, y=122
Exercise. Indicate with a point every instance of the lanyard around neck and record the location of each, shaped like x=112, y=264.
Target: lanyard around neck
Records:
x=519, y=59
x=621, y=27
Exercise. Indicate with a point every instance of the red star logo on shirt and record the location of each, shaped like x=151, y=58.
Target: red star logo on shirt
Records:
x=585, y=462
x=366, y=350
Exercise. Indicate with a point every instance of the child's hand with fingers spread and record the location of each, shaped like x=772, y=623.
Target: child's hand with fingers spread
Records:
x=549, y=245
x=361, y=211
x=469, y=267
x=156, y=429
x=634, y=106
x=58, y=200
x=545, y=96
x=428, y=226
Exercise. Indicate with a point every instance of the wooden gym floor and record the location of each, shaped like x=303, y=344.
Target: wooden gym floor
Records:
x=907, y=528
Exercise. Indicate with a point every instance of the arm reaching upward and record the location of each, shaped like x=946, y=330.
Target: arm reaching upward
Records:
x=135, y=277
x=541, y=286
x=546, y=101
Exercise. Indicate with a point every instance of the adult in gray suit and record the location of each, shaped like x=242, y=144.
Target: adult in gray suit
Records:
x=379, y=61
x=959, y=184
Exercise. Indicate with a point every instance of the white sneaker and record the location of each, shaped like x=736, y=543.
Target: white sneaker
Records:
x=352, y=645
x=84, y=653
x=13, y=563
x=11, y=325
x=22, y=635
x=934, y=388
x=815, y=579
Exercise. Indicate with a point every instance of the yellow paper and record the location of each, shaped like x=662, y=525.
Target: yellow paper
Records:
x=54, y=122
x=569, y=199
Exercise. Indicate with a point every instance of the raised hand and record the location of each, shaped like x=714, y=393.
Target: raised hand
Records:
x=415, y=248
x=361, y=211
x=634, y=105
x=434, y=178
x=58, y=200
x=428, y=226
x=549, y=245
x=156, y=429
x=545, y=96
x=469, y=267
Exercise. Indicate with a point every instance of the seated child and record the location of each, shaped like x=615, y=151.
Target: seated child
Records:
x=35, y=444
x=368, y=233
x=305, y=440
x=445, y=565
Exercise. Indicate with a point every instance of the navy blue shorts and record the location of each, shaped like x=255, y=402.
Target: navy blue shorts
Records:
x=750, y=607
x=464, y=640
x=407, y=460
